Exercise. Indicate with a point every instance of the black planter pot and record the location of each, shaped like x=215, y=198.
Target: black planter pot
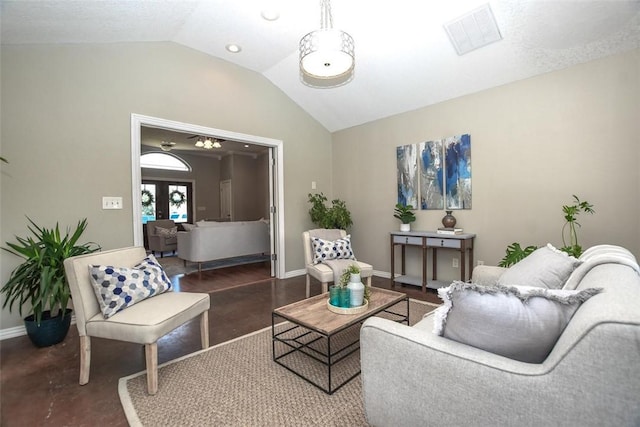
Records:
x=51, y=330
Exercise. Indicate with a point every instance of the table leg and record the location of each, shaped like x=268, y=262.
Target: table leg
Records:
x=463, y=252
x=393, y=261
x=435, y=263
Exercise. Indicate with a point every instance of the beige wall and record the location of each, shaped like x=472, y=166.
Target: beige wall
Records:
x=534, y=144
x=66, y=114
x=65, y=129
x=247, y=185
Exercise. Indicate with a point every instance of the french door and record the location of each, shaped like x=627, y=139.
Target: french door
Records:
x=167, y=200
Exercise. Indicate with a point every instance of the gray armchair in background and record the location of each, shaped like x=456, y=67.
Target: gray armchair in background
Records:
x=162, y=241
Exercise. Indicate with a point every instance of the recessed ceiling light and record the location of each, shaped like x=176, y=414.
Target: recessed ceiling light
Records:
x=270, y=14
x=233, y=48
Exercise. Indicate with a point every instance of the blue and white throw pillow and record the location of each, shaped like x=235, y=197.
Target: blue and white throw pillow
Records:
x=325, y=250
x=117, y=288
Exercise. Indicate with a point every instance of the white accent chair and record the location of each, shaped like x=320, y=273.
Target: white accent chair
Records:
x=322, y=272
x=142, y=323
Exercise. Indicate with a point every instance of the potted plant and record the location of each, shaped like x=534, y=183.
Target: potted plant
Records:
x=570, y=214
x=515, y=252
x=405, y=215
x=337, y=216
x=40, y=280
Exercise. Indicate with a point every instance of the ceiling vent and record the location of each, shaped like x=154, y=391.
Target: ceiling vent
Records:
x=473, y=30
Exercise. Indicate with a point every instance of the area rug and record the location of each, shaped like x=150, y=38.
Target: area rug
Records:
x=174, y=266
x=237, y=383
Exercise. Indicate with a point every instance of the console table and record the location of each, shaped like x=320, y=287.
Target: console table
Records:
x=435, y=241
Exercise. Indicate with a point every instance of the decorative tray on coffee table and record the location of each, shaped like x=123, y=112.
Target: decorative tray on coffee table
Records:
x=349, y=310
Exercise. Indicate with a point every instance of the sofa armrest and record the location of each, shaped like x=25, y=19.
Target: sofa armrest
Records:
x=486, y=274
x=412, y=377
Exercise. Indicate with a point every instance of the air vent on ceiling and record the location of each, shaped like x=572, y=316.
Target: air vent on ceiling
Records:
x=473, y=30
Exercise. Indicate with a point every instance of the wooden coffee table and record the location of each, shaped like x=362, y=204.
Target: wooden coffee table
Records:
x=319, y=345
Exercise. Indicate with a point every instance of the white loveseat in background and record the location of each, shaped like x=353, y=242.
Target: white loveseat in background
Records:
x=210, y=240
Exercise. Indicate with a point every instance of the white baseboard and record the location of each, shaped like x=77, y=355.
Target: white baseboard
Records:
x=18, y=331
x=295, y=273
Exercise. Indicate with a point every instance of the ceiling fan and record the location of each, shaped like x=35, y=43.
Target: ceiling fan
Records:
x=167, y=145
x=207, y=142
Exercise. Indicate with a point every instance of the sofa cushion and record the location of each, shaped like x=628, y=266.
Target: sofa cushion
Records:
x=325, y=250
x=188, y=227
x=117, y=288
x=519, y=322
x=546, y=267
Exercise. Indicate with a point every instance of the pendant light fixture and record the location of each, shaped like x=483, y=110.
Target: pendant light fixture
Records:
x=208, y=143
x=327, y=53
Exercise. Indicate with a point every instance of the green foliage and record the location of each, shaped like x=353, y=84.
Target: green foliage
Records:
x=337, y=216
x=515, y=253
x=404, y=213
x=570, y=215
x=346, y=274
x=40, y=280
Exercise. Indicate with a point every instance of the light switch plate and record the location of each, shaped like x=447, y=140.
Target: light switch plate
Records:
x=112, y=202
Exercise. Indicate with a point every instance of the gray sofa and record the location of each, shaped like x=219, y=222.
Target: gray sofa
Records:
x=591, y=377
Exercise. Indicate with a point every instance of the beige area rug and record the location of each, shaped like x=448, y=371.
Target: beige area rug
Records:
x=237, y=383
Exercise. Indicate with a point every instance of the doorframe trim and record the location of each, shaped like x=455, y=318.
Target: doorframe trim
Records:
x=139, y=120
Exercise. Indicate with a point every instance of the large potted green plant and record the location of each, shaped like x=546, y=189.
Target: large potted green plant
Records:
x=40, y=281
x=336, y=216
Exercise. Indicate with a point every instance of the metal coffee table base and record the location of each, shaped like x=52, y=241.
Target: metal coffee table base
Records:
x=328, y=352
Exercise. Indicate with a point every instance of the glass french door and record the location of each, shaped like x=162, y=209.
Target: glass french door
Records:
x=167, y=200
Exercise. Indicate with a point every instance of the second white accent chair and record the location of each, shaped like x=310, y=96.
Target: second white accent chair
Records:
x=322, y=272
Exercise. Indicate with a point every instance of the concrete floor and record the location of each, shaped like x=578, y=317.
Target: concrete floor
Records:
x=39, y=387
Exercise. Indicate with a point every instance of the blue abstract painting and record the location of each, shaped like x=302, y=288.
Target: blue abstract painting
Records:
x=407, y=164
x=431, y=175
x=457, y=160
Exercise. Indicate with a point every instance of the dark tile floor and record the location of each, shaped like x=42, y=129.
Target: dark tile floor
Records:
x=39, y=387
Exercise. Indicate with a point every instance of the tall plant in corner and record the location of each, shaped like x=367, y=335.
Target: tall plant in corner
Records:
x=40, y=280
x=569, y=230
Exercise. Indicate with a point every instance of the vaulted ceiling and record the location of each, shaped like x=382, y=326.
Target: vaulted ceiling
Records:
x=404, y=58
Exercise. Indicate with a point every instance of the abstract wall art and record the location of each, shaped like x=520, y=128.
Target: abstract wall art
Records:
x=407, y=157
x=431, y=175
x=437, y=174
x=457, y=159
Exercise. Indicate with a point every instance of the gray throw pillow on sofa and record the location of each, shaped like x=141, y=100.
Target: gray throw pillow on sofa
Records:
x=518, y=322
x=546, y=267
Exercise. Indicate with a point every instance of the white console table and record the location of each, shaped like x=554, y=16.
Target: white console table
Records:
x=430, y=240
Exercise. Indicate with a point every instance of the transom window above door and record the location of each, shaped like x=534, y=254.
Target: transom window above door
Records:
x=163, y=161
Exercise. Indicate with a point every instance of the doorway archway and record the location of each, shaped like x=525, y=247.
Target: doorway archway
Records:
x=276, y=172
